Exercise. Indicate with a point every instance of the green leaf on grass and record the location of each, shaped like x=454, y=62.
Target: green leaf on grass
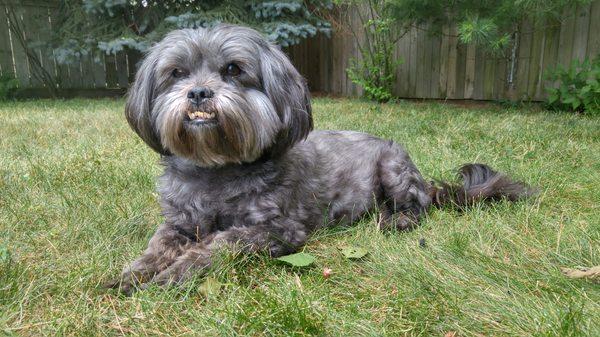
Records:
x=354, y=252
x=298, y=259
x=211, y=286
x=4, y=254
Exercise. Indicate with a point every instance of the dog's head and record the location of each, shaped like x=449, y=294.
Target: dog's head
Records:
x=218, y=96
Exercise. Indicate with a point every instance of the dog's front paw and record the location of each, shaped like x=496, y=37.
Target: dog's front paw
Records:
x=397, y=221
x=194, y=262
x=128, y=282
x=174, y=275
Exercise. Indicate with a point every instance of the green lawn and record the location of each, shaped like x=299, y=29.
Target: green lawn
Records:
x=78, y=201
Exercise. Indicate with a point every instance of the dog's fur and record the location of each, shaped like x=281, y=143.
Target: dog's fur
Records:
x=258, y=178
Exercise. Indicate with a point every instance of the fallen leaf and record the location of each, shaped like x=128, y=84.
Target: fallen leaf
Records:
x=592, y=273
x=210, y=286
x=298, y=259
x=354, y=252
x=450, y=334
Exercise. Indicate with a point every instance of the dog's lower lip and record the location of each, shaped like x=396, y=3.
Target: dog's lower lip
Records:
x=202, y=122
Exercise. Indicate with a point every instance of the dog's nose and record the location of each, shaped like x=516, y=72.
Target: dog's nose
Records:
x=199, y=94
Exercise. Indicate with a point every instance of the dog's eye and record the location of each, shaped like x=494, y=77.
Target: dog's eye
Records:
x=177, y=73
x=232, y=69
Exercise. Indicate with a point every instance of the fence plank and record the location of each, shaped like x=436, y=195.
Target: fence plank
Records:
x=443, y=77
x=88, y=75
x=550, y=52
x=402, y=55
x=19, y=55
x=535, y=62
x=122, y=71
x=470, y=71
x=325, y=65
x=461, y=58
x=582, y=26
x=311, y=62
x=479, y=73
x=61, y=71
x=489, y=77
x=6, y=61
x=134, y=58
x=335, y=58
x=75, y=74
x=99, y=72
x=354, y=53
x=347, y=56
x=31, y=17
x=452, y=63
x=565, y=44
x=412, y=79
x=111, y=71
x=314, y=49
x=424, y=59
x=344, y=57
x=62, y=75
x=523, y=59
x=593, y=47
x=48, y=59
x=500, y=75
x=434, y=87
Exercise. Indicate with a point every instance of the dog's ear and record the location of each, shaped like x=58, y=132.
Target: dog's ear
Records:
x=138, y=108
x=288, y=92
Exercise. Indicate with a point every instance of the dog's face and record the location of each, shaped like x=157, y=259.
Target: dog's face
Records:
x=218, y=96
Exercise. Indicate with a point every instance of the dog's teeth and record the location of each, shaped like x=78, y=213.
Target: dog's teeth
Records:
x=200, y=114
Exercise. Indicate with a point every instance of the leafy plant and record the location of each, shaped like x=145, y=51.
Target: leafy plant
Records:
x=8, y=86
x=578, y=87
x=375, y=70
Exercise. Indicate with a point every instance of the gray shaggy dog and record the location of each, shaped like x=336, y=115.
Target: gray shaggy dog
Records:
x=231, y=118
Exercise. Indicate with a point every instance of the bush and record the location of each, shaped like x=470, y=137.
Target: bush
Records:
x=375, y=70
x=375, y=73
x=8, y=86
x=578, y=87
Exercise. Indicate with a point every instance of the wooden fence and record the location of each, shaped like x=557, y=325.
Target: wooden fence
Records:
x=432, y=66
x=88, y=77
x=441, y=67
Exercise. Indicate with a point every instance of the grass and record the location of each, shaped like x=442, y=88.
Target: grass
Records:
x=78, y=201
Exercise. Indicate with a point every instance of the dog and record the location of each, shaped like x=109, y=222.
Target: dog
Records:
x=231, y=118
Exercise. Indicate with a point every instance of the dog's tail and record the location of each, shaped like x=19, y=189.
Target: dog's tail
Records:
x=479, y=183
